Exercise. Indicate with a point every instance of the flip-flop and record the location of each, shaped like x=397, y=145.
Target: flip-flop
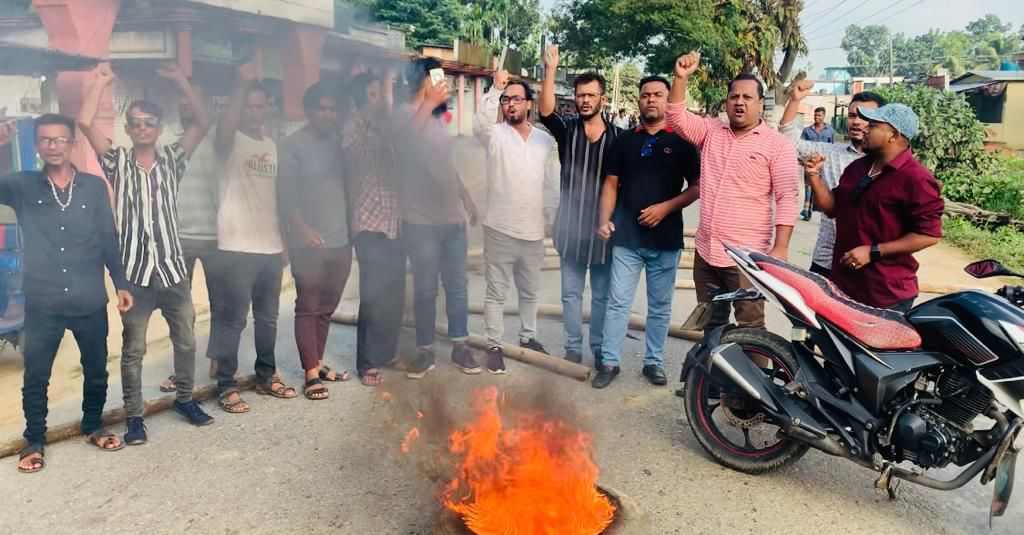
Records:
x=168, y=385
x=339, y=376
x=374, y=373
x=232, y=407
x=315, y=390
x=101, y=437
x=282, y=392
x=29, y=451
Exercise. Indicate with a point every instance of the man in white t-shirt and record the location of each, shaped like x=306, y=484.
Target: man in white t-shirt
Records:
x=249, y=264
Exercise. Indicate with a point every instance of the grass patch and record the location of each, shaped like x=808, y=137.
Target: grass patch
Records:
x=1003, y=244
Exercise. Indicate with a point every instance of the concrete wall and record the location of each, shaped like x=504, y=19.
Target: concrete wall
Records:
x=314, y=12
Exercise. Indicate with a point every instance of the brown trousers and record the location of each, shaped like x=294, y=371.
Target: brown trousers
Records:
x=709, y=279
x=320, y=277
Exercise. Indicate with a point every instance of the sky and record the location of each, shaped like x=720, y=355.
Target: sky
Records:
x=824, y=30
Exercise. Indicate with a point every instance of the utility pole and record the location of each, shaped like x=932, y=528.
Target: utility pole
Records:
x=615, y=88
x=890, y=58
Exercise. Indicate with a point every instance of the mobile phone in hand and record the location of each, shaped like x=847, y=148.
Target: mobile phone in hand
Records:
x=437, y=76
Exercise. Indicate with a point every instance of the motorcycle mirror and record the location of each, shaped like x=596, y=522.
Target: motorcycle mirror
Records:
x=988, y=268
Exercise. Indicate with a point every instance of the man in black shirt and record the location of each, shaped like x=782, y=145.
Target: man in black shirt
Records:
x=584, y=143
x=68, y=229
x=641, y=213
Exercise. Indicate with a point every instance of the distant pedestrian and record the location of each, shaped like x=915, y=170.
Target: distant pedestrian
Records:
x=819, y=132
x=145, y=179
x=749, y=187
x=887, y=207
x=837, y=157
x=584, y=148
x=435, y=207
x=520, y=191
x=641, y=213
x=621, y=119
x=313, y=206
x=69, y=237
x=249, y=262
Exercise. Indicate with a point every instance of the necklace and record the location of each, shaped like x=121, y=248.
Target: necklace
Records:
x=71, y=191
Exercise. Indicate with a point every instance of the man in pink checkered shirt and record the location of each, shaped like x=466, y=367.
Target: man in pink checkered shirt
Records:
x=748, y=190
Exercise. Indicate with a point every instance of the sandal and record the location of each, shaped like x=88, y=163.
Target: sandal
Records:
x=371, y=377
x=276, y=388
x=167, y=385
x=38, y=464
x=235, y=406
x=325, y=372
x=315, y=390
x=102, y=439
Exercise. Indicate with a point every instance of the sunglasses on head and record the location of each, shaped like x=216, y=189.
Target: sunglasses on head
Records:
x=148, y=122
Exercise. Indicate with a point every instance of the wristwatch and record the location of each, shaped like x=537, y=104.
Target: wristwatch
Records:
x=876, y=253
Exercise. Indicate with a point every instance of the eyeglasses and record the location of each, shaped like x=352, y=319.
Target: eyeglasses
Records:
x=648, y=148
x=148, y=122
x=505, y=101
x=54, y=141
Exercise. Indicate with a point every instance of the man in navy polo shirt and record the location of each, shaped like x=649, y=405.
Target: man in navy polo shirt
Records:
x=641, y=213
x=887, y=207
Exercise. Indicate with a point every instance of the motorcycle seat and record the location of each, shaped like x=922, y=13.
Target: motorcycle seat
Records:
x=876, y=328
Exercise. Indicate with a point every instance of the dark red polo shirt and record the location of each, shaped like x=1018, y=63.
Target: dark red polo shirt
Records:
x=904, y=198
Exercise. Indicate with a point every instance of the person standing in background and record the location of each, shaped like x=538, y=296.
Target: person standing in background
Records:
x=584, y=145
x=819, y=132
x=312, y=203
x=144, y=179
x=520, y=193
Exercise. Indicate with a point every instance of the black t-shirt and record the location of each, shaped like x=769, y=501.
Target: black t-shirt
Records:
x=651, y=169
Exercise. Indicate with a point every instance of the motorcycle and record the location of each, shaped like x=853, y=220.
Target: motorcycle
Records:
x=900, y=394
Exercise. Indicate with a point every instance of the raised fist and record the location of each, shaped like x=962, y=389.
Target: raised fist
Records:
x=551, y=57
x=687, y=64
x=102, y=74
x=813, y=164
x=800, y=89
x=501, y=80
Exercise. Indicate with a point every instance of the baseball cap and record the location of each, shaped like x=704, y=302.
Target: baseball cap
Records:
x=898, y=116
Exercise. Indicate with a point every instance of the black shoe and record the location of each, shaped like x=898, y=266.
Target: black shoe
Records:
x=805, y=215
x=656, y=375
x=534, y=345
x=422, y=365
x=496, y=360
x=462, y=357
x=193, y=413
x=136, y=433
x=574, y=356
x=605, y=376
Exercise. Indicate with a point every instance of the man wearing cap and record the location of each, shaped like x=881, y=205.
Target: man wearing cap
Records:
x=887, y=207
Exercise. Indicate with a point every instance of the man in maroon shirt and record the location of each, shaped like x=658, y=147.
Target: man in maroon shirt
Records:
x=887, y=207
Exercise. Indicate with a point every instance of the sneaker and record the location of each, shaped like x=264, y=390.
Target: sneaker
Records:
x=533, y=345
x=574, y=356
x=193, y=412
x=422, y=365
x=496, y=360
x=136, y=432
x=605, y=376
x=462, y=357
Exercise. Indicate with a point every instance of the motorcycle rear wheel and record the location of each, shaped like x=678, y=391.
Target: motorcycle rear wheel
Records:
x=714, y=420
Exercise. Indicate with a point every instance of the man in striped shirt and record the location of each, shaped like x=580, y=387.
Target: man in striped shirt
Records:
x=583, y=146
x=144, y=179
x=749, y=174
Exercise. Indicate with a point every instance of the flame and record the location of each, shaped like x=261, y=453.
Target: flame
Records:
x=410, y=437
x=533, y=477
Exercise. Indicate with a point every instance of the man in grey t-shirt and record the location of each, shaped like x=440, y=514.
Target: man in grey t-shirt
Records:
x=313, y=208
x=432, y=199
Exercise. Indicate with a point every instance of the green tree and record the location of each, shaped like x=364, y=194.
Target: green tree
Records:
x=867, y=49
x=424, y=21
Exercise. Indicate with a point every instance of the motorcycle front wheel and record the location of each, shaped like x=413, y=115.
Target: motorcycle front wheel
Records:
x=729, y=424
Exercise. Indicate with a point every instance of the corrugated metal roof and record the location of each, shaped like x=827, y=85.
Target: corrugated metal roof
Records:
x=994, y=76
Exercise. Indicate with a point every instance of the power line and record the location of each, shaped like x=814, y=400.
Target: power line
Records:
x=815, y=13
x=824, y=23
x=868, y=18
x=933, y=60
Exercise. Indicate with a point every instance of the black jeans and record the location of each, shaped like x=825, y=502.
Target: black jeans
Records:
x=44, y=330
x=241, y=280
x=381, y=296
x=823, y=271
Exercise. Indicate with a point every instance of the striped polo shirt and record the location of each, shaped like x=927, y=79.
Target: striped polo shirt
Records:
x=584, y=166
x=748, y=184
x=145, y=211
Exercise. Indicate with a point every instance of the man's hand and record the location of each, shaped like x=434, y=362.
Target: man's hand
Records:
x=605, y=230
x=102, y=75
x=857, y=258
x=800, y=89
x=436, y=94
x=501, y=80
x=782, y=253
x=125, y=301
x=551, y=58
x=172, y=72
x=653, y=214
x=687, y=64
x=311, y=238
x=471, y=211
x=248, y=72
x=813, y=164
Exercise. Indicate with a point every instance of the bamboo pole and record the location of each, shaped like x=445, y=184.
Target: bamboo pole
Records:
x=636, y=322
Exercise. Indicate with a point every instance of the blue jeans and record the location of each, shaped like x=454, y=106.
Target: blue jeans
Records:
x=661, y=267
x=574, y=278
x=438, y=250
